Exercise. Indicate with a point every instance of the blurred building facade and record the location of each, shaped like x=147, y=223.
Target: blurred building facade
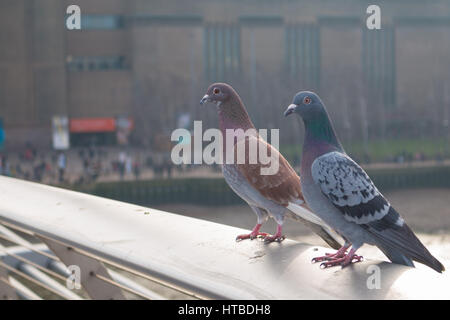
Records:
x=152, y=60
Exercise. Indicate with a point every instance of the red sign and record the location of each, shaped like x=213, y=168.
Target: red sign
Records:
x=92, y=125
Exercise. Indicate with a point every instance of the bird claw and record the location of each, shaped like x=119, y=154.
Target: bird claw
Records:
x=251, y=236
x=269, y=239
x=327, y=256
x=317, y=259
x=356, y=258
x=343, y=262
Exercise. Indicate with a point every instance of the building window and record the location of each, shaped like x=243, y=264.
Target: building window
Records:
x=303, y=53
x=101, y=22
x=96, y=63
x=379, y=64
x=222, y=52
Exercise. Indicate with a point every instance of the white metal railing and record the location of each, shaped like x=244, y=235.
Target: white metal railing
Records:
x=107, y=239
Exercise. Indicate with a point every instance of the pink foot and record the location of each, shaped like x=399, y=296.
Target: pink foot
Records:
x=339, y=258
x=330, y=256
x=343, y=262
x=274, y=238
x=278, y=237
x=252, y=235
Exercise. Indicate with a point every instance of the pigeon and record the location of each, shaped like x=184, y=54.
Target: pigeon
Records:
x=276, y=195
x=341, y=193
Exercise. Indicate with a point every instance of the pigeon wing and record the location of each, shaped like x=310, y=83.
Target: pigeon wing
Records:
x=349, y=188
x=351, y=191
x=283, y=186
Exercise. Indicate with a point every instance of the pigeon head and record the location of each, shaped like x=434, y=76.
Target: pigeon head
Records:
x=307, y=104
x=318, y=124
x=232, y=113
x=218, y=93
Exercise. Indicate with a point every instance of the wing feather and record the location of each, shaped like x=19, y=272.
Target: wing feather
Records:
x=281, y=187
x=349, y=188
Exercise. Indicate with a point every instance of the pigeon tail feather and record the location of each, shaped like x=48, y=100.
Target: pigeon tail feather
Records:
x=402, y=241
x=396, y=256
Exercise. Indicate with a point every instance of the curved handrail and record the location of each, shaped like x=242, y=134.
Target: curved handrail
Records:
x=200, y=256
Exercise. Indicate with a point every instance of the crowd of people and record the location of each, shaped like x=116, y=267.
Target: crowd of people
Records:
x=91, y=164
x=86, y=165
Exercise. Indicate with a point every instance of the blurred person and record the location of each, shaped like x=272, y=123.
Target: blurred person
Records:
x=136, y=169
x=167, y=165
x=61, y=166
x=81, y=153
x=94, y=170
x=91, y=152
x=149, y=162
x=85, y=165
x=30, y=152
x=38, y=170
x=129, y=165
x=18, y=171
x=6, y=167
x=158, y=165
x=121, y=164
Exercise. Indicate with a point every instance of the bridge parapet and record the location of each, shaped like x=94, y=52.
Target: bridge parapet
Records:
x=196, y=257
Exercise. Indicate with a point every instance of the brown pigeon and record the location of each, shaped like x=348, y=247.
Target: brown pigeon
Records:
x=277, y=194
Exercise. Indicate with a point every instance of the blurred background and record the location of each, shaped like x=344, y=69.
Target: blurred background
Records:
x=93, y=109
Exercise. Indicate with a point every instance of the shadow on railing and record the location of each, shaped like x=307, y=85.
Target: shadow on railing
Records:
x=56, y=243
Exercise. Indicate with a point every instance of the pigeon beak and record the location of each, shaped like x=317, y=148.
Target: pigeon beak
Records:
x=290, y=109
x=205, y=99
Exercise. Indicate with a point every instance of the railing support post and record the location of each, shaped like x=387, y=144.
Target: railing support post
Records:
x=95, y=287
x=6, y=291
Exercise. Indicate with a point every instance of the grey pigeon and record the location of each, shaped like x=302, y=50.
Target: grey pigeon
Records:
x=277, y=195
x=340, y=192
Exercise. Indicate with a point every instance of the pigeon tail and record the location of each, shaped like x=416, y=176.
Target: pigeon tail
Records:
x=396, y=256
x=401, y=246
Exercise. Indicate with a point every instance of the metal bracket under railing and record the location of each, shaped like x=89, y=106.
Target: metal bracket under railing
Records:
x=195, y=257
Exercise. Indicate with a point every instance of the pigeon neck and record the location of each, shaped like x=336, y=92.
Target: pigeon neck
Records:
x=319, y=130
x=232, y=115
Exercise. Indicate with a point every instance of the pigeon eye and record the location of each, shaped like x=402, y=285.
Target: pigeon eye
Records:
x=216, y=91
x=307, y=100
